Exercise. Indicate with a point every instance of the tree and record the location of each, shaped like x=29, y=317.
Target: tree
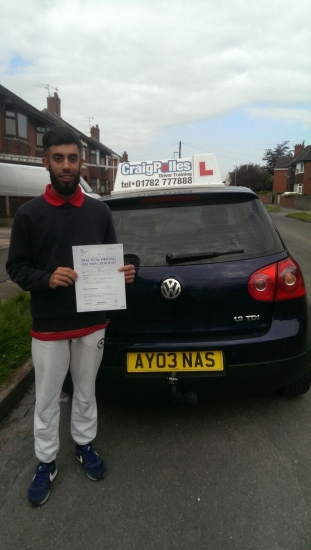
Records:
x=254, y=176
x=271, y=155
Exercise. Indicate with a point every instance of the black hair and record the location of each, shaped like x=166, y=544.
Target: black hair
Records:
x=59, y=135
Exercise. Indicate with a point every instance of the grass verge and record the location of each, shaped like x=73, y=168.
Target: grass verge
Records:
x=303, y=216
x=273, y=208
x=15, y=340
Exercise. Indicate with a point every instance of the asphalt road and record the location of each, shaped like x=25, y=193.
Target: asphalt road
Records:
x=234, y=472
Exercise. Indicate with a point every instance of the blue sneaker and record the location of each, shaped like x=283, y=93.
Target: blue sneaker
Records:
x=91, y=461
x=39, y=490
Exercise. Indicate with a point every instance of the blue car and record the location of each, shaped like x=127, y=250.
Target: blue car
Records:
x=217, y=297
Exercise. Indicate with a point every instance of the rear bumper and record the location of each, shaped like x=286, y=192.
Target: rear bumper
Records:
x=267, y=361
x=271, y=375
x=257, y=375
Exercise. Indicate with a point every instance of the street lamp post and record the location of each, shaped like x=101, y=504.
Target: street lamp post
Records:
x=235, y=166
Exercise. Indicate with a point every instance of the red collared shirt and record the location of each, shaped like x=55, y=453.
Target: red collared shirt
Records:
x=51, y=197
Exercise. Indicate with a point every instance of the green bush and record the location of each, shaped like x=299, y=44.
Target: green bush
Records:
x=15, y=340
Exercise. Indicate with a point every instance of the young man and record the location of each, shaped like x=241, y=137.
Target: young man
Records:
x=40, y=260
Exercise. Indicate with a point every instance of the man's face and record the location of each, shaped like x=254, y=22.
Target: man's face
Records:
x=63, y=162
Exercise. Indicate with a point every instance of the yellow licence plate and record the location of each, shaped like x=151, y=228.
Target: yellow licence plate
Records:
x=182, y=361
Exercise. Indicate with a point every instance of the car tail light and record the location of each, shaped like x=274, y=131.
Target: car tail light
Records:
x=280, y=281
x=262, y=283
x=290, y=280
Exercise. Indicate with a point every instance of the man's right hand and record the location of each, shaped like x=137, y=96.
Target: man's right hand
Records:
x=63, y=276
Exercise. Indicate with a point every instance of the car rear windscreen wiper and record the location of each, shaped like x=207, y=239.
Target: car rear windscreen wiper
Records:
x=181, y=258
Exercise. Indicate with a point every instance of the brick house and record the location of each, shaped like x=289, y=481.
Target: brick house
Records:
x=280, y=174
x=21, y=130
x=299, y=172
x=100, y=163
x=293, y=174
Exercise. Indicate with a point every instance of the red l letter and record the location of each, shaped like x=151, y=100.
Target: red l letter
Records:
x=203, y=171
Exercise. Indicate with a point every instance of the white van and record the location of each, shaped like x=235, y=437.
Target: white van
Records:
x=21, y=180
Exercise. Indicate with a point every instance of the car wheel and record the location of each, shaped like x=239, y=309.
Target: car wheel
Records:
x=301, y=386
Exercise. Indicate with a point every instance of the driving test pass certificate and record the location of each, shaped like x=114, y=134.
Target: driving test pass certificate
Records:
x=100, y=286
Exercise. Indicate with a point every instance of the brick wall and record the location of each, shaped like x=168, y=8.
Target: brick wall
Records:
x=302, y=202
x=39, y=152
x=307, y=179
x=32, y=136
x=14, y=204
x=16, y=146
x=265, y=199
x=280, y=181
x=95, y=132
x=287, y=202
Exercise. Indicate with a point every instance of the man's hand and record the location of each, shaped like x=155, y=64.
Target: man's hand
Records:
x=129, y=272
x=63, y=276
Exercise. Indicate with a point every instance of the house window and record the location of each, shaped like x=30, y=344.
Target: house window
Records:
x=299, y=168
x=93, y=156
x=16, y=125
x=22, y=126
x=84, y=148
x=40, y=133
x=103, y=160
x=10, y=123
x=104, y=187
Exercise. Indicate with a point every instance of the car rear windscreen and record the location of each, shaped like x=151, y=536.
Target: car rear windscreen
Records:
x=153, y=229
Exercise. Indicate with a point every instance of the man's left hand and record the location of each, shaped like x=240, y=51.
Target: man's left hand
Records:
x=129, y=272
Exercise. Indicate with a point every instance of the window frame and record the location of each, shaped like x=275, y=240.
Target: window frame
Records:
x=94, y=157
x=300, y=168
x=84, y=150
x=40, y=131
x=21, y=124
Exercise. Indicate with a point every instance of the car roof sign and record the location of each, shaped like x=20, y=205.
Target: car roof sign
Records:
x=199, y=170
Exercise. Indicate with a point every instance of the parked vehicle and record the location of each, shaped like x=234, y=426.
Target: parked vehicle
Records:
x=29, y=181
x=217, y=294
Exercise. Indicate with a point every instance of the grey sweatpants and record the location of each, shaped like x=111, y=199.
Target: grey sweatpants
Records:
x=51, y=361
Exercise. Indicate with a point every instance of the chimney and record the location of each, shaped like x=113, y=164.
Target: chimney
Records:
x=125, y=157
x=54, y=104
x=298, y=148
x=95, y=132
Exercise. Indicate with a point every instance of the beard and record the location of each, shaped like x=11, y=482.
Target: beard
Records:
x=62, y=188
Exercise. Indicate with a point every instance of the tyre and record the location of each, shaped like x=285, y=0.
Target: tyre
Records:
x=301, y=386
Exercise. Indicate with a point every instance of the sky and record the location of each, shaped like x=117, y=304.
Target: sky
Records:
x=231, y=77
